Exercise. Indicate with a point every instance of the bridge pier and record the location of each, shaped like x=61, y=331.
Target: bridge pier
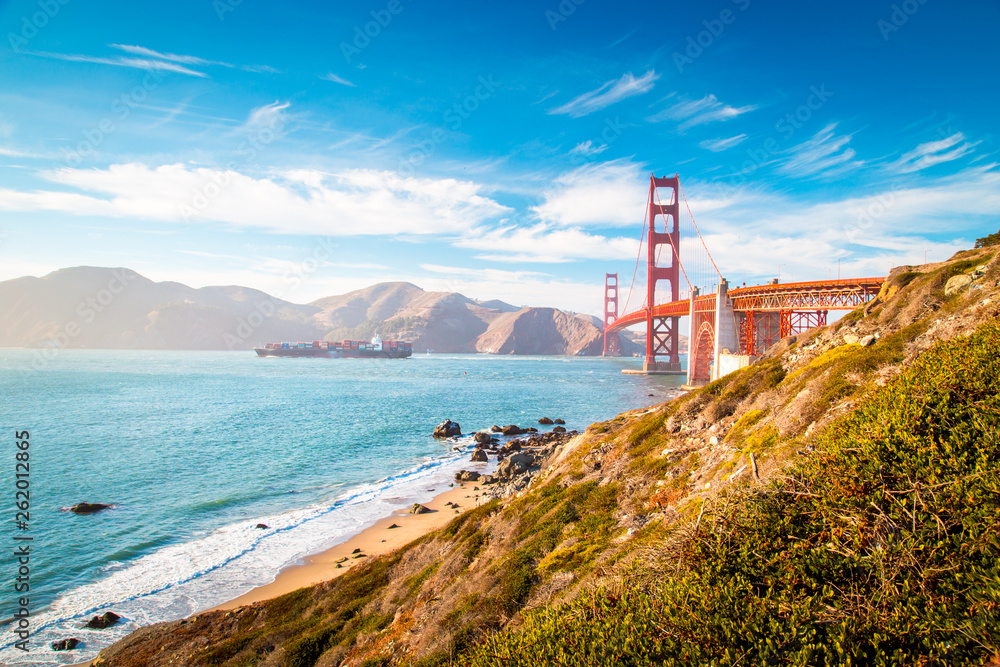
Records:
x=713, y=333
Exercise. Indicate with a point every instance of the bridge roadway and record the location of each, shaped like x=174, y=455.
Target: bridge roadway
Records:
x=816, y=295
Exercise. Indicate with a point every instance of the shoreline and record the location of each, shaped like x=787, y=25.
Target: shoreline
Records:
x=373, y=541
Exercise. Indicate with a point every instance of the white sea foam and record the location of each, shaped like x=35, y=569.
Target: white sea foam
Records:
x=181, y=579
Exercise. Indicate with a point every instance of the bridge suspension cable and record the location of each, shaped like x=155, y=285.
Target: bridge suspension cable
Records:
x=700, y=237
x=638, y=255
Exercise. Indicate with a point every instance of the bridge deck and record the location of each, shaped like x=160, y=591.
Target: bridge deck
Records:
x=816, y=295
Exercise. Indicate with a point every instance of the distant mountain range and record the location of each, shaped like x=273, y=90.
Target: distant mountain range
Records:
x=92, y=307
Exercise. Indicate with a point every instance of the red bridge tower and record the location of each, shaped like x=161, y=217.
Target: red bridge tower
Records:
x=610, y=314
x=662, y=335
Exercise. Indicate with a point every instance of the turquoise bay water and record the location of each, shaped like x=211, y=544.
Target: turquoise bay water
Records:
x=196, y=448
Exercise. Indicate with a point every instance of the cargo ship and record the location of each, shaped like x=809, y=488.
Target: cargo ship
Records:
x=347, y=349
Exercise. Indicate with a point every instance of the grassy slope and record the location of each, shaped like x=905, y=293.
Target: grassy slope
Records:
x=750, y=522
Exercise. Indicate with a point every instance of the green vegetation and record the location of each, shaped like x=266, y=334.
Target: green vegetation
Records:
x=987, y=241
x=743, y=425
x=880, y=550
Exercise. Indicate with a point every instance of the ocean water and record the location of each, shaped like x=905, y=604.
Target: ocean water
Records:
x=196, y=448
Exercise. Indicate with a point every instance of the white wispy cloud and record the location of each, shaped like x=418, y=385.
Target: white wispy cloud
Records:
x=172, y=57
x=699, y=112
x=719, y=145
x=330, y=76
x=613, y=91
x=825, y=154
x=350, y=203
x=141, y=57
x=609, y=194
x=932, y=153
x=268, y=116
x=588, y=148
x=121, y=61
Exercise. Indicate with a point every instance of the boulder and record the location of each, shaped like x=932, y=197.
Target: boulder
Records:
x=482, y=438
x=66, y=644
x=510, y=448
x=512, y=429
x=851, y=338
x=106, y=620
x=496, y=429
x=447, y=429
x=88, y=508
x=488, y=479
x=559, y=421
x=418, y=509
x=467, y=476
x=262, y=526
x=866, y=341
x=545, y=421
x=480, y=456
x=956, y=283
x=515, y=465
x=559, y=429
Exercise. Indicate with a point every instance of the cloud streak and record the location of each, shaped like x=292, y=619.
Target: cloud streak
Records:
x=611, y=92
x=699, y=112
x=330, y=76
x=135, y=63
x=825, y=154
x=719, y=145
x=932, y=153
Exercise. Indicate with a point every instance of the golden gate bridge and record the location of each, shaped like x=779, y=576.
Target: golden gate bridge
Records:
x=728, y=328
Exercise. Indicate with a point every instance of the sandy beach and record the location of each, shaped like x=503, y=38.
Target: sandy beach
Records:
x=376, y=540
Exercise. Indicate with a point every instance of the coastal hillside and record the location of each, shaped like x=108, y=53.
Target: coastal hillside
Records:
x=835, y=503
x=116, y=308
x=93, y=307
x=451, y=322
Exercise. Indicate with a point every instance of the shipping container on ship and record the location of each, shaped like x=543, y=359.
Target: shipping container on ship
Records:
x=348, y=349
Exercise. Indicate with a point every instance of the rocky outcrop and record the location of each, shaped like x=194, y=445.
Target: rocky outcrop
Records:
x=545, y=421
x=467, y=476
x=479, y=456
x=419, y=509
x=66, y=644
x=447, y=429
x=88, y=508
x=105, y=620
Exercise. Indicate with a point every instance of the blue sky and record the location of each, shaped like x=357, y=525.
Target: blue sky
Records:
x=502, y=150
